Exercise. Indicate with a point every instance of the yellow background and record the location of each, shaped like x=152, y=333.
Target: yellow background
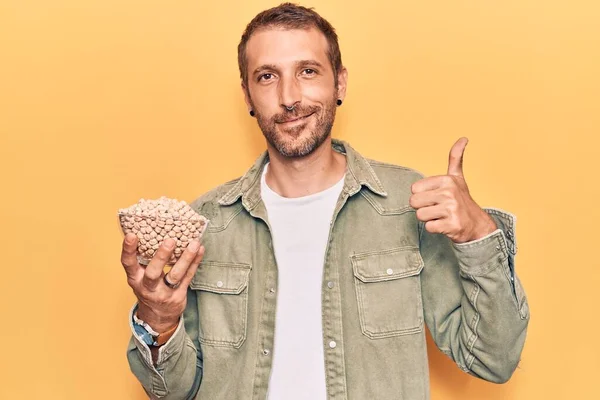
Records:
x=103, y=102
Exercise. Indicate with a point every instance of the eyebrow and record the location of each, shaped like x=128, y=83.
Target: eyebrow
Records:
x=304, y=63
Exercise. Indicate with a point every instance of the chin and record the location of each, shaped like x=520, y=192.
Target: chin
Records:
x=298, y=145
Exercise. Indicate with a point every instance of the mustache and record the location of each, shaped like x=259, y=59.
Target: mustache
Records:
x=297, y=112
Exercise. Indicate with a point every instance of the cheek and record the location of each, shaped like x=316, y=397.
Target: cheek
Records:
x=264, y=98
x=317, y=92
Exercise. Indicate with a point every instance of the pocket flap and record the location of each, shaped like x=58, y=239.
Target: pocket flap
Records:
x=220, y=277
x=387, y=264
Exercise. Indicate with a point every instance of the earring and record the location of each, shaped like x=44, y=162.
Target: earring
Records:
x=251, y=113
x=339, y=102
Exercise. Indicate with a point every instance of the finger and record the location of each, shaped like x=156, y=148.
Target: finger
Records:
x=431, y=213
x=154, y=270
x=455, y=159
x=430, y=183
x=178, y=271
x=425, y=199
x=185, y=282
x=436, y=226
x=129, y=260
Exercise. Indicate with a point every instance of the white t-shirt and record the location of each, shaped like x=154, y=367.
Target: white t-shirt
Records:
x=300, y=230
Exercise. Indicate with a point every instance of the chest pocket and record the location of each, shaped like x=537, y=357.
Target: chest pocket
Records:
x=388, y=292
x=222, y=296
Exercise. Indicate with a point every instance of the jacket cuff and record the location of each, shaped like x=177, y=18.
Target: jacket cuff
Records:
x=174, y=343
x=506, y=222
x=479, y=256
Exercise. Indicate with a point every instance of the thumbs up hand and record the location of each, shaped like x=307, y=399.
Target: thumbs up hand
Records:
x=445, y=205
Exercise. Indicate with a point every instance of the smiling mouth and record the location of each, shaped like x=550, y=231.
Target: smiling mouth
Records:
x=295, y=119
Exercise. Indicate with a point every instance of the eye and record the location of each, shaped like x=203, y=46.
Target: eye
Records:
x=265, y=77
x=309, y=71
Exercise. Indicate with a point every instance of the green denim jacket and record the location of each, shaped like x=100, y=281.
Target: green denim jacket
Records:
x=384, y=278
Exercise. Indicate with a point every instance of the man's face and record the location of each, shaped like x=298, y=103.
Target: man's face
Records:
x=291, y=68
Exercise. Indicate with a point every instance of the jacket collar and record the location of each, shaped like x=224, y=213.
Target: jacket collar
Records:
x=359, y=173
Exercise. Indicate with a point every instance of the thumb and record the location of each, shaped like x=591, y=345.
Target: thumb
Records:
x=455, y=160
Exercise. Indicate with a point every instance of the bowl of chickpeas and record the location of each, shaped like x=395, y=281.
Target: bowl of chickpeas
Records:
x=154, y=221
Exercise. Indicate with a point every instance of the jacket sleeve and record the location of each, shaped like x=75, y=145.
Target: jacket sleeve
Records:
x=474, y=304
x=178, y=371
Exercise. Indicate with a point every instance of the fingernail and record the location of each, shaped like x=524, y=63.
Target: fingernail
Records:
x=169, y=244
x=194, y=246
x=129, y=238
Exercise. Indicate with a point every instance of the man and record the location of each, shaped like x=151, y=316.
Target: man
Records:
x=319, y=267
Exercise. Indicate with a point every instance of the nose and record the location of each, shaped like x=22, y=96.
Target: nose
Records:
x=289, y=92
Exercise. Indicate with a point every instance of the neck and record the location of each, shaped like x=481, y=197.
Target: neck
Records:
x=297, y=177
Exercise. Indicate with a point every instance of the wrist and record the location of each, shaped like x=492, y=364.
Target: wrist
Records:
x=158, y=323
x=486, y=227
x=153, y=336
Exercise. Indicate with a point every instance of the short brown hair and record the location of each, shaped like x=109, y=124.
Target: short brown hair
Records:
x=291, y=16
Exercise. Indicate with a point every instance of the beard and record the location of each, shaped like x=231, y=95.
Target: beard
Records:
x=288, y=141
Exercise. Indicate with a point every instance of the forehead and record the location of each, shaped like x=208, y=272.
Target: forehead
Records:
x=285, y=46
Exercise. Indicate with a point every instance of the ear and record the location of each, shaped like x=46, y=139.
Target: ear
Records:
x=342, y=83
x=246, y=96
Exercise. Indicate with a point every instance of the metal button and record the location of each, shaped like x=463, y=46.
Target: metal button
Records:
x=498, y=248
x=219, y=284
x=390, y=271
x=332, y=344
x=330, y=285
x=272, y=290
x=266, y=352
